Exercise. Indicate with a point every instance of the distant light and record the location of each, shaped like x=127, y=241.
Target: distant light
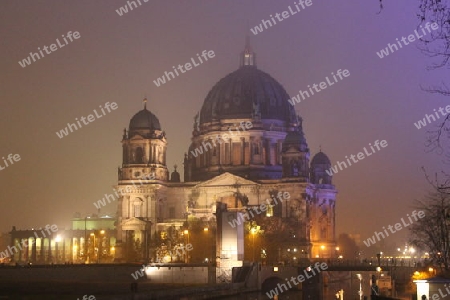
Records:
x=186, y=231
x=205, y=229
x=275, y=269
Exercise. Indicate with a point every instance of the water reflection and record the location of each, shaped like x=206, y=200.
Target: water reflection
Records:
x=291, y=295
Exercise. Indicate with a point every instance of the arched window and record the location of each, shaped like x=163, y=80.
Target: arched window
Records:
x=139, y=156
x=295, y=169
x=323, y=233
x=256, y=149
x=137, y=208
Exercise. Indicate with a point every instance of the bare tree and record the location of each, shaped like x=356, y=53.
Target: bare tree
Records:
x=437, y=46
x=431, y=233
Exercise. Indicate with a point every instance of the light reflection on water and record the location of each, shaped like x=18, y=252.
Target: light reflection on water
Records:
x=291, y=295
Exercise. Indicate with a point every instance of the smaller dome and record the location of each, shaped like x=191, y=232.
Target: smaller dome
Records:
x=320, y=159
x=294, y=137
x=145, y=120
x=175, y=176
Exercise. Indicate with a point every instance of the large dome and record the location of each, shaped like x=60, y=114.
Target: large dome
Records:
x=242, y=93
x=144, y=120
x=320, y=159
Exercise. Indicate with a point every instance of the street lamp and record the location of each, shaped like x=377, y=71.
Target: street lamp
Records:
x=186, y=233
x=254, y=230
x=205, y=230
x=57, y=240
x=93, y=247
x=99, y=251
x=322, y=247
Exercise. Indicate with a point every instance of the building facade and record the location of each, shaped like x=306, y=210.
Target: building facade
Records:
x=247, y=147
x=90, y=240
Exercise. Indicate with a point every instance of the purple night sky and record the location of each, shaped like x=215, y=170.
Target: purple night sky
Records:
x=117, y=58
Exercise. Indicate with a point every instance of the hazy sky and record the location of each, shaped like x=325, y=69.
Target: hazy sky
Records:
x=116, y=58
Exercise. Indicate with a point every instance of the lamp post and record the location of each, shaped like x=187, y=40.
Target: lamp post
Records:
x=99, y=251
x=254, y=230
x=186, y=233
x=85, y=240
x=57, y=240
x=205, y=230
x=93, y=247
x=322, y=248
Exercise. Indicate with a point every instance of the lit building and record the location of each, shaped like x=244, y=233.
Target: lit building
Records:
x=248, y=147
x=90, y=240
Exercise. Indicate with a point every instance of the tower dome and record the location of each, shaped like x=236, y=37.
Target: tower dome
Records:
x=320, y=159
x=320, y=169
x=145, y=119
x=144, y=123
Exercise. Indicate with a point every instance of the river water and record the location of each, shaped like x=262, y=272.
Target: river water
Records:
x=291, y=295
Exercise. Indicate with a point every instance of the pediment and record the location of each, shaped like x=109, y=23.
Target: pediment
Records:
x=226, y=179
x=134, y=224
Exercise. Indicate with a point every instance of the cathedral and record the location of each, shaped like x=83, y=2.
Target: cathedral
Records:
x=247, y=147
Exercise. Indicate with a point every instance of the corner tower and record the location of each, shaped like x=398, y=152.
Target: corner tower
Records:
x=144, y=148
x=141, y=176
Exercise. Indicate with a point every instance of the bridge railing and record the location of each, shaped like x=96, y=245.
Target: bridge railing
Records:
x=363, y=262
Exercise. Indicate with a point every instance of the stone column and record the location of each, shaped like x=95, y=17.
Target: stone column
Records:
x=242, y=151
x=64, y=250
x=250, y=143
x=71, y=249
x=231, y=152
x=49, y=249
x=33, y=251
x=42, y=256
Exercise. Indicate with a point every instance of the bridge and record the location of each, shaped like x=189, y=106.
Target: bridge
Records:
x=346, y=274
